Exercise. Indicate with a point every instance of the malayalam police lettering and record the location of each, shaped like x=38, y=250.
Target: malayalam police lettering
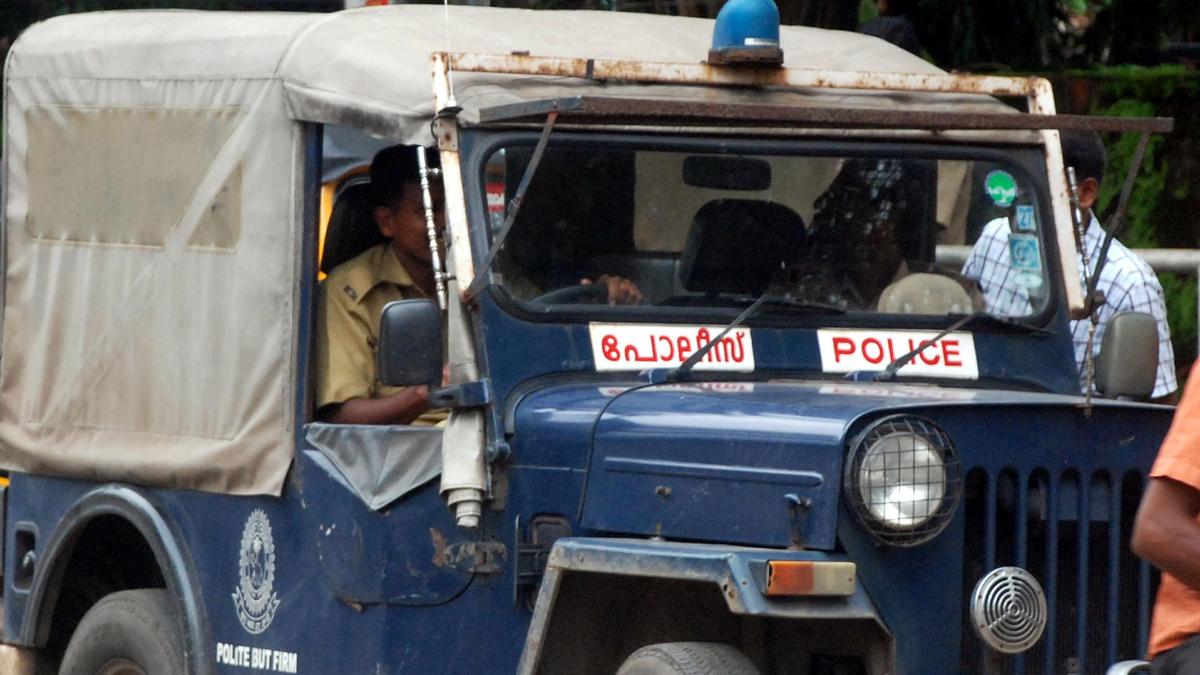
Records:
x=846, y=351
x=639, y=346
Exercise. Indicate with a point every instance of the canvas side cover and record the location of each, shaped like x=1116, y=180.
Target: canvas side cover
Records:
x=152, y=248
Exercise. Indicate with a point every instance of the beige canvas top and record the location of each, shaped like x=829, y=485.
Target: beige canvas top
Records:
x=153, y=226
x=369, y=68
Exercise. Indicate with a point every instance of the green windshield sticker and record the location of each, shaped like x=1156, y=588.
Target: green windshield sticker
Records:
x=1001, y=187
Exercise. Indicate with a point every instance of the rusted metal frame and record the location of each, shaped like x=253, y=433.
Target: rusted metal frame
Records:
x=607, y=110
x=711, y=129
x=1041, y=102
x=613, y=70
x=456, y=204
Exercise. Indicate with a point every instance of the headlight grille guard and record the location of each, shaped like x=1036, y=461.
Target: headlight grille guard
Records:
x=939, y=443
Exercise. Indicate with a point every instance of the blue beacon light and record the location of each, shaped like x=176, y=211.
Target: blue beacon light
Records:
x=746, y=34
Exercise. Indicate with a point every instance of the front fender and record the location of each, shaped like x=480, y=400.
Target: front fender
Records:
x=737, y=571
x=170, y=551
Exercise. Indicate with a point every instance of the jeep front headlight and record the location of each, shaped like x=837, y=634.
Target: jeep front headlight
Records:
x=903, y=480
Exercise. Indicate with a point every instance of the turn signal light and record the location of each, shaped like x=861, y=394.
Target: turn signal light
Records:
x=808, y=577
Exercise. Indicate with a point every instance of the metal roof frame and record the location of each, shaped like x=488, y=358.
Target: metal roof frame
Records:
x=1037, y=92
x=599, y=110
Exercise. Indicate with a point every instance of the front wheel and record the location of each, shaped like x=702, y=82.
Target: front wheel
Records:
x=687, y=658
x=127, y=633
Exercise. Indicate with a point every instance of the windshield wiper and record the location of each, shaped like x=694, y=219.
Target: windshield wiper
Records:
x=1006, y=324
x=888, y=374
x=789, y=303
x=514, y=206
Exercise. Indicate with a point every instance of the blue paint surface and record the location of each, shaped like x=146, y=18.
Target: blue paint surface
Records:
x=615, y=457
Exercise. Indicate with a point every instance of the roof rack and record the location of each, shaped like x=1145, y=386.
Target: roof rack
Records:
x=614, y=110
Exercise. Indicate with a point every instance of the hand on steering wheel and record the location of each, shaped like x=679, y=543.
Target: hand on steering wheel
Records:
x=621, y=291
x=590, y=294
x=608, y=288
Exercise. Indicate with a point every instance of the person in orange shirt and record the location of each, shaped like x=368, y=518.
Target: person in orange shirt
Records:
x=1166, y=533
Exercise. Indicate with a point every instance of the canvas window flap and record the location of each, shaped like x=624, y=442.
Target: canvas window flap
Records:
x=151, y=261
x=379, y=464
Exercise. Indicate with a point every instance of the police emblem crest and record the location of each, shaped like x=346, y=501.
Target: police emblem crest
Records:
x=255, y=596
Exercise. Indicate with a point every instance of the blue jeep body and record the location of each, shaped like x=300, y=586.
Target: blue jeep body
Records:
x=627, y=502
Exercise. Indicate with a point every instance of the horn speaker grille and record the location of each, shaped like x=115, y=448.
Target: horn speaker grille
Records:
x=1008, y=609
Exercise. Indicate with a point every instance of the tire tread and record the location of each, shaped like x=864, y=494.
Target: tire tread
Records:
x=690, y=658
x=147, y=613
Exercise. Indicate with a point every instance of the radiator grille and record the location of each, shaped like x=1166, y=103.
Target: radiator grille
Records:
x=1071, y=531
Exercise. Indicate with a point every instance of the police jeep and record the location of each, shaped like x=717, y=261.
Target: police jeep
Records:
x=809, y=448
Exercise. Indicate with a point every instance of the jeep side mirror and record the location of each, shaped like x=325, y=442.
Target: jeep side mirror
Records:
x=410, y=344
x=1128, y=359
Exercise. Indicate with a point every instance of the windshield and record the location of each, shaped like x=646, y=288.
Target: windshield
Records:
x=840, y=227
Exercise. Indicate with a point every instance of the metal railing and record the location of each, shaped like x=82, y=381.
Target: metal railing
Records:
x=1176, y=260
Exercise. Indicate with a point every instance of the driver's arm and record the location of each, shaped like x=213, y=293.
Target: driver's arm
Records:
x=400, y=408
x=621, y=291
x=347, y=387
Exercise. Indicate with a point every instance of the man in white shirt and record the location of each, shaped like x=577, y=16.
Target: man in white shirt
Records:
x=1128, y=283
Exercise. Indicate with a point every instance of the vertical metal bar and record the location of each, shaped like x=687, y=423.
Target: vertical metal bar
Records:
x=1081, y=581
x=311, y=138
x=989, y=525
x=457, y=235
x=1115, y=620
x=1051, y=580
x=435, y=255
x=1021, y=555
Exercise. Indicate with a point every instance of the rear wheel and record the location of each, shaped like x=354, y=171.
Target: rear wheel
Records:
x=127, y=633
x=687, y=658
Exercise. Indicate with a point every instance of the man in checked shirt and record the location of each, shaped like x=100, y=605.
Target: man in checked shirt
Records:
x=1128, y=283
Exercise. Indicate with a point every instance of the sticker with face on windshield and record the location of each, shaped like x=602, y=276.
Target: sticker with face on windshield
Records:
x=1024, y=252
x=1001, y=187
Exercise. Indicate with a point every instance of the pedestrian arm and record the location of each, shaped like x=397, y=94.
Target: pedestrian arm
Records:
x=1165, y=532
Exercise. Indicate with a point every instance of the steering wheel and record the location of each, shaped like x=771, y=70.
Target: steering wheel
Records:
x=591, y=294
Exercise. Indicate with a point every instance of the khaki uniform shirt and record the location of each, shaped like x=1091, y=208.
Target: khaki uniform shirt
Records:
x=352, y=298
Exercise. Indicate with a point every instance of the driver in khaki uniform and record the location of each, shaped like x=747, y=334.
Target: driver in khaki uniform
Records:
x=352, y=298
